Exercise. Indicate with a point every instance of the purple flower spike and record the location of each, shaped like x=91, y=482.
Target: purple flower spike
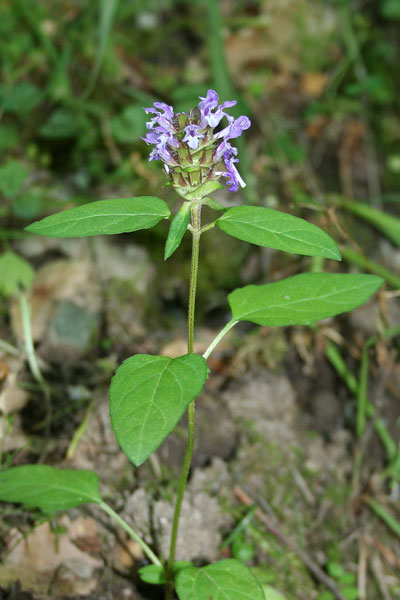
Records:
x=190, y=150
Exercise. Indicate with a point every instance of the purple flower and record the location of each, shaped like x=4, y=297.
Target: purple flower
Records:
x=190, y=150
x=164, y=119
x=209, y=104
x=232, y=172
x=234, y=129
x=192, y=136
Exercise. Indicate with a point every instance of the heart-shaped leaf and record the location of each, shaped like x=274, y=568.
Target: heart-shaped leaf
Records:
x=302, y=299
x=148, y=396
x=267, y=227
x=47, y=488
x=103, y=217
x=225, y=580
x=177, y=229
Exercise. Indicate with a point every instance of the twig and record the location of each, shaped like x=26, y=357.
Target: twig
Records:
x=376, y=567
x=362, y=571
x=314, y=569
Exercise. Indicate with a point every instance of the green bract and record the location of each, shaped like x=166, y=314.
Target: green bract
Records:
x=302, y=299
x=267, y=227
x=103, y=217
x=47, y=488
x=226, y=580
x=148, y=396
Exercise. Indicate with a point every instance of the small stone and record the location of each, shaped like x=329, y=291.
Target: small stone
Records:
x=72, y=332
x=198, y=536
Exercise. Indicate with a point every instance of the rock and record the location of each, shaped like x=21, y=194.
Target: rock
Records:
x=212, y=479
x=126, y=273
x=137, y=514
x=127, y=262
x=98, y=449
x=216, y=435
x=12, y=400
x=267, y=401
x=71, y=284
x=198, y=536
x=366, y=318
x=327, y=412
x=12, y=397
x=73, y=577
x=72, y=333
x=42, y=551
x=13, y=576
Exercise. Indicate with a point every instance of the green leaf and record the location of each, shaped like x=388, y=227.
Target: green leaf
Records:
x=61, y=124
x=153, y=574
x=148, y=396
x=15, y=274
x=130, y=125
x=12, y=177
x=103, y=217
x=267, y=227
x=177, y=229
x=271, y=593
x=213, y=204
x=22, y=98
x=225, y=580
x=47, y=488
x=302, y=299
x=28, y=205
x=387, y=224
x=197, y=193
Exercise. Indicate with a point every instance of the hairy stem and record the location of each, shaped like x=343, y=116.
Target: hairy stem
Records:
x=196, y=226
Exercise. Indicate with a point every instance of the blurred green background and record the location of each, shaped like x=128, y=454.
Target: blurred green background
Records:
x=319, y=78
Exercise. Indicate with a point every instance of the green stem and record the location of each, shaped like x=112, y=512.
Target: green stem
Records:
x=28, y=340
x=196, y=227
x=148, y=552
x=218, y=338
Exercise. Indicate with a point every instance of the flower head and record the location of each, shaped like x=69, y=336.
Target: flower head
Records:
x=192, y=152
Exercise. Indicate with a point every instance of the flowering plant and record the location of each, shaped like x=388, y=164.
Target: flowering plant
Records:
x=150, y=394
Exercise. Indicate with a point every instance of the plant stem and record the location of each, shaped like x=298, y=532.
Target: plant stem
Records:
x=34, y=366
x=148, y=552
x=218, y=338
x=196, y=226
x=28, y=340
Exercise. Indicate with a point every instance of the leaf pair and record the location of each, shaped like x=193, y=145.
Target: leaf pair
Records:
x=257, y=225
